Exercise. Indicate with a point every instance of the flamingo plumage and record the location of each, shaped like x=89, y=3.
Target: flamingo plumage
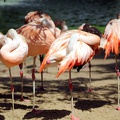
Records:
x=112, y=36
x=13, y=52
x=41, y=19
x=72, y=48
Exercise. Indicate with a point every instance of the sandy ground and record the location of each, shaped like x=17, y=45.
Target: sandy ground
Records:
x=54, y=101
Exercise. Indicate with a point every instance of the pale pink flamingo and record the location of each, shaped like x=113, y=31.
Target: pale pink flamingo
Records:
x=112, y=34
x=45, y=19
x=72, y=48
x=14, y=50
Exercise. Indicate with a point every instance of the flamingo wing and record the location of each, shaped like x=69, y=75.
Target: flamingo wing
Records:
x=112, y=34
x=69, y=50
x=78, y=53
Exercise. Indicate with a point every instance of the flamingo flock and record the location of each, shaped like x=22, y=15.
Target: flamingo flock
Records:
x=63, y=48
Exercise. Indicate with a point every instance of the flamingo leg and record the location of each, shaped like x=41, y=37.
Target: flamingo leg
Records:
x=41, y=59
x=118, y=77
x=12, y=90
x=33, y=78
x=90, y=88
x=21, y=76
x=71, y=92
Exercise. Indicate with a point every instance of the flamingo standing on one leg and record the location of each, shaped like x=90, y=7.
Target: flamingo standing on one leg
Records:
x=72, y=48
x=112, y=34
x=39, y=18
x=14, y=50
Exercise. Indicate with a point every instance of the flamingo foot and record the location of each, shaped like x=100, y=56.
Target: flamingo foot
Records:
x=24, y=100
x=89, y=90
x=36, y=111
x=118, y=108
x=74, y=118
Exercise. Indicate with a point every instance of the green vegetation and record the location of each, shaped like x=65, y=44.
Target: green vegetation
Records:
x=101, y=28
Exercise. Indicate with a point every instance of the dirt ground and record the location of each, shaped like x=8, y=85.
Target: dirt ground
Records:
x=54, y=101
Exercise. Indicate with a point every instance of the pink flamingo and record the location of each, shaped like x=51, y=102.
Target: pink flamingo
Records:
x=13, y=51
x=72, y=48
x=40, y=19
x=112, y=35
x=45, y=19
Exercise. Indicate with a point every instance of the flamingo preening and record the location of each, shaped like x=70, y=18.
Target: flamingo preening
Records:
x=72, y=48
x=112, y=34
x=14, y=50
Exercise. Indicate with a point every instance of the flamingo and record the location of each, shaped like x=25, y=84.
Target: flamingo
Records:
x=14, y=51
x=112, y=35
x=41, y=16
x=1, y=35
x=72, y=48
x=43, y=19
x=39, y=35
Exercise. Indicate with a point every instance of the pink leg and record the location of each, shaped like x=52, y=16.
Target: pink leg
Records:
x=118, y=76
x=71, y=92
x=12, y=91
x=89, y=88
x=21, y=76
x=42, y=87
x=33, y=78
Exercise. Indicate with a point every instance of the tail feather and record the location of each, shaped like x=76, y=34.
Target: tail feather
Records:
x=81, y=54
x=65, y=64
x=112, y=45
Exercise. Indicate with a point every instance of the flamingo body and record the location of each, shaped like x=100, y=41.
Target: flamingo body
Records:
x=71, y=48
x=15, y=50
x=112, y=34
x=39, y=38
x=38, y=16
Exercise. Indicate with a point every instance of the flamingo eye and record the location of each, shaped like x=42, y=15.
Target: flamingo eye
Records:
x=110, y=23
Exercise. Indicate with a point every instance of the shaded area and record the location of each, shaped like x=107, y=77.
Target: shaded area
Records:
x=48, y=114
x=8, y=106
x=2, y=117
x=88, y=104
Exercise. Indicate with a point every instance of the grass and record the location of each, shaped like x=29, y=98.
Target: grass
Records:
x=101, y=28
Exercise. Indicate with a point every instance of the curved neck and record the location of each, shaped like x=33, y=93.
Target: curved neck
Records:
x=14, y=52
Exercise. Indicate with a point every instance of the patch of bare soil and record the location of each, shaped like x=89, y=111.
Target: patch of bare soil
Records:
x=54, y=101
